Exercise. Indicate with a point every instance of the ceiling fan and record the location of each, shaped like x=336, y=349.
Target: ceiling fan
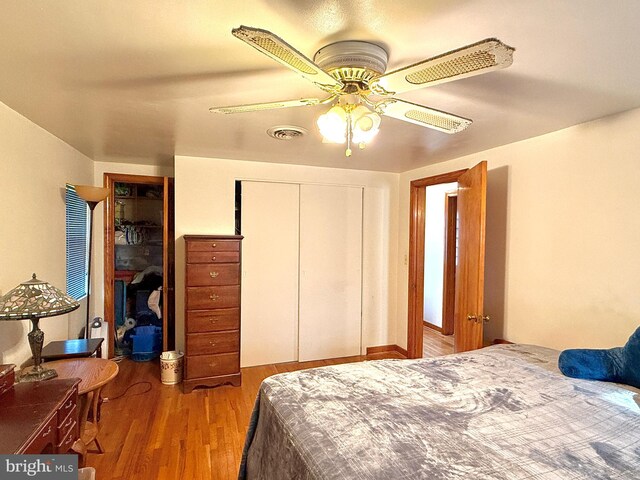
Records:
x=353, y=74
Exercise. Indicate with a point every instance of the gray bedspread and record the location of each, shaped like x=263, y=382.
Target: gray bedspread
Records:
x=503, y=412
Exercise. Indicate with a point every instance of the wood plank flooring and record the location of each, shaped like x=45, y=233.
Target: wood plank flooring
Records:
x=166, y=435
x=436, y=344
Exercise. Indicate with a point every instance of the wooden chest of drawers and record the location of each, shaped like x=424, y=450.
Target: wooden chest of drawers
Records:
x=212, y=310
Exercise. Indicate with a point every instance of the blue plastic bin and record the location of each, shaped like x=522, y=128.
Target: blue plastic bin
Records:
x=147, y=343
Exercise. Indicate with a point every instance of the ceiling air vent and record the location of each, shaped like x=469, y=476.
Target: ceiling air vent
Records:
x=286, y=132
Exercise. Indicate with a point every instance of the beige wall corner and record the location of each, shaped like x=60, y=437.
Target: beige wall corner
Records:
x=562, y=234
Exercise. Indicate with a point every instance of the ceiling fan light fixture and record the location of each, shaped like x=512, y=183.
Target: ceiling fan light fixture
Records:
x=350, y=123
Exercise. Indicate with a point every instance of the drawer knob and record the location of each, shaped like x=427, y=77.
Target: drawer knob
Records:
x=213, y=344
x=213, y=364
x=212, y=320
x=213, y=245
x=213, y=297
x=68, y=422
x=213, y=274
x=68, y=440
x=47, y=432
x=213, y=258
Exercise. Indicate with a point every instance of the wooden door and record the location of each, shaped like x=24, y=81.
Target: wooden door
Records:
x=330, y=315
x=109, y=180
x=168, y=275
x=469, y=315
x=270, y=215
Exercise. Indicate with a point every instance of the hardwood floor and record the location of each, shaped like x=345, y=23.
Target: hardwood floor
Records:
x=436, y=344
x=165, y=434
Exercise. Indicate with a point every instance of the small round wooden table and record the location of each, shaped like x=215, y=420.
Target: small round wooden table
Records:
x=94, y=373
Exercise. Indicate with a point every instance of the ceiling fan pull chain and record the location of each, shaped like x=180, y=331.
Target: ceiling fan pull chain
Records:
x=349, y=132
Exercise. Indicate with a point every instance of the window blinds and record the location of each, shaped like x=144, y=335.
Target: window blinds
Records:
x=76, y=244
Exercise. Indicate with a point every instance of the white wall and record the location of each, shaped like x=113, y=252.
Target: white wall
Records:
x=35, y=168
x=205, y=189
x=434, y=235
x=563, y=230
x=100, y=168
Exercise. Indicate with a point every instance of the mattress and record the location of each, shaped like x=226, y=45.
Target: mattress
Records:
x=503, y=412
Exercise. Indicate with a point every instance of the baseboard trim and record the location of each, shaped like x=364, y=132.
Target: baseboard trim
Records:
x=387, y=349
x=432, y=326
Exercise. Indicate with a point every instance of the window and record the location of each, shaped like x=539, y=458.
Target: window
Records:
x=76, y=244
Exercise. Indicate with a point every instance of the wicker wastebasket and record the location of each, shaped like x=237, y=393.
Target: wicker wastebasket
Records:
x=171, y=367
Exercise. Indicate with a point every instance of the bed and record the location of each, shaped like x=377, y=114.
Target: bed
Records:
x=503, y=412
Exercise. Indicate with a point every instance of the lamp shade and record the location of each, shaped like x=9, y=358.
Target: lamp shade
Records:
x=333, y=125
x=35, y=298
x=89, y=193
x=366, y=124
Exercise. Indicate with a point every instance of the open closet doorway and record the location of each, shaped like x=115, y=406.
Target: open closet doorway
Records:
x=139, y=265
x=446, y=262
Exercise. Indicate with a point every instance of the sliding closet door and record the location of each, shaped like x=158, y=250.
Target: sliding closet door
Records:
x=330, y=271
x=270, y=273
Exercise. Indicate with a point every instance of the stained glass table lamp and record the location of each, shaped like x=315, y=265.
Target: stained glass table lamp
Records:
x=33, y=300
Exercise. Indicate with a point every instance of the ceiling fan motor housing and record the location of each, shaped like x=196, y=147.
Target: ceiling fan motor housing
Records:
x=352, y=61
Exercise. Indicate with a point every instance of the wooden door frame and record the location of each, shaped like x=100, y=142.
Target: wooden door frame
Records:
x=449, y=278
x=109, y=180
x=417, y=205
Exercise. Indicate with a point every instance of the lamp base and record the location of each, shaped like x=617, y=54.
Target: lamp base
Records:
x=37, y=374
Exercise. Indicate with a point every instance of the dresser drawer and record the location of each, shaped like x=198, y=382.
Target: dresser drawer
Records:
x=213, y=257
x=213, y=320
x=205, y=274
x=205, y=298
x=66, y=425
x=45, y=436
x=211, y=343
x=69, y=403
x=213, y=246
x=212, y=365
x=66, y=442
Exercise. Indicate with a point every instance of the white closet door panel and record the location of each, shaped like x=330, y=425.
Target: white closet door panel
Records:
x=330, y=271
x=269, y=332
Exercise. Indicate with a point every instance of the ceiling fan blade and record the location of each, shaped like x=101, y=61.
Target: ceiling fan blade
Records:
x=423, y=116
x=482, y=57
x=255, y=107
x=276, y=48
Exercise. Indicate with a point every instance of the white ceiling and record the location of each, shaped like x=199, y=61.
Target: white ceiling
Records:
x=133, y=80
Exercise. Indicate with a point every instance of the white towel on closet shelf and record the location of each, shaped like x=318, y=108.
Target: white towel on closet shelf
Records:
x=154, y=302
x=140, y=276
